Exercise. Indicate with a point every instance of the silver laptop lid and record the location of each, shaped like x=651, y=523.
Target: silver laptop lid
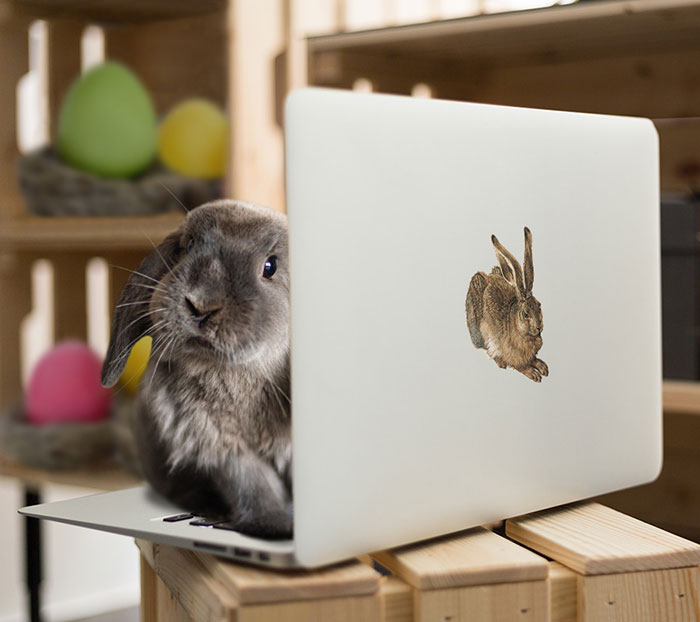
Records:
x=403, y=427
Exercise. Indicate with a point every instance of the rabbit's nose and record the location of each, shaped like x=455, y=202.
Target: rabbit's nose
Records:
x=201, y=312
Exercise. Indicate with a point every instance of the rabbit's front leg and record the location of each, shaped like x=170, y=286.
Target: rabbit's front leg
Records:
x=260, y=502
x=541, y=366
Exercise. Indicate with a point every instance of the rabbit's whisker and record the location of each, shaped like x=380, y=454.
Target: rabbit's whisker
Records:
x=145, y=276
x=172, y=194
x=129, y=304
x=165, y=263
x=155, y=369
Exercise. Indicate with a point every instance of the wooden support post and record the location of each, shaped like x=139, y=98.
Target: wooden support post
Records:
x=625, y=570
x=473, y=575
x=14, y=63
x=15, y=286
x=69, y=297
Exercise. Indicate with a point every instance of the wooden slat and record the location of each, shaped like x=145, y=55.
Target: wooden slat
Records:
x=593, y=539
x=525, y=601
x=397, y=600
x=119, y=11
x=69, y=297
x=599, y=29
x=473, y=557
x=30, y=233
x=175, y=59
x=654, y=596
x=201, y=596
x=681, y=397
x=562, y=593
x=356, y=608
x=15, y=291
x=14, y=63
x=256, y=165
x=167, y=607
x=64, y=37
x=148, y=591
x=107, y=477
x=256, y=585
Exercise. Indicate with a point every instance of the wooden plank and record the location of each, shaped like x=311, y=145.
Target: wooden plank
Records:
x=14, y=63
x=148, y=592
x=41, y=234
x=15, y=286
x=562, y=593
x=201, y=596
x=593, y=539
x=147, y=550
x=522, y=601
x=69, y=296
x=167, y=607
x=256, y=164
x=117, y=11
x=177, y=58
x=682, y=396
x=653, y=596
x=397, y=600
x=356, y=608
x=64, y=65
x=100, y=477
x=518, y=38
x=472, y=557
x=249, y=584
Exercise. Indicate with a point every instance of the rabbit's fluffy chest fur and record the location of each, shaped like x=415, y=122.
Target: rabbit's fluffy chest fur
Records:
x=203, y=422
x=499, y=327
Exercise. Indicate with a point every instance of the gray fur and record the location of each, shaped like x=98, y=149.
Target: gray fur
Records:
x=213, y=413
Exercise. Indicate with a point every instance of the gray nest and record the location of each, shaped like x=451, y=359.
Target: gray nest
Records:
x=52, y=188
x=70, y=445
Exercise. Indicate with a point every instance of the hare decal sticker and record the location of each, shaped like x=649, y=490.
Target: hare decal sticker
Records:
x=503, y=316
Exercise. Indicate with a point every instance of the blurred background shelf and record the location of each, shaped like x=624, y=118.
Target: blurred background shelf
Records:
x=108, y=476
x=556, y=34
x=117, y=11
x=45, y=234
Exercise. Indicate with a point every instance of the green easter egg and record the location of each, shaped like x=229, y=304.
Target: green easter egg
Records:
x=107, y=123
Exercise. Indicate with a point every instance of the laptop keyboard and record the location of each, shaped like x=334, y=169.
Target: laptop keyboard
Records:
x=198, y=521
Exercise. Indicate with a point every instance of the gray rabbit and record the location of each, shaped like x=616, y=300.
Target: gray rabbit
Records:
x=213, y=419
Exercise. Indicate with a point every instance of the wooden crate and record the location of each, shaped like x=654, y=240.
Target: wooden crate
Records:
x=220, y=49
x=608, y=567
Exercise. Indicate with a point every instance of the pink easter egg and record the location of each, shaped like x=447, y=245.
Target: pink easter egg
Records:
x=65, y=387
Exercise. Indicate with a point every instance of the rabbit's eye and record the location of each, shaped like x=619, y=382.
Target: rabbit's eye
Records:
x=190, y=245
x=270, y=267
x=526, y=314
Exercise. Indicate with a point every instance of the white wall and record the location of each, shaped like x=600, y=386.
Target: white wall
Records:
x=86, y=572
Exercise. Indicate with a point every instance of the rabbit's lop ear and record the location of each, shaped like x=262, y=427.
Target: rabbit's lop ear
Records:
x=131, y=315
x=510, y=266
x=528, y=268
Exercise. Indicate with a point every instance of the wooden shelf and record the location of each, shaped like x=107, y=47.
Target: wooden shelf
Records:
x=117, y=11
x=107, y=477
x=682, y=396
x=39, y=234
x=556, y=34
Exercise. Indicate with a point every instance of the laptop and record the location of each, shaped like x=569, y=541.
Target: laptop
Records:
x=475, y=317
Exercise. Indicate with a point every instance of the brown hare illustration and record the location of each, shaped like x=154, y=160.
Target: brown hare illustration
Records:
x=503, y=316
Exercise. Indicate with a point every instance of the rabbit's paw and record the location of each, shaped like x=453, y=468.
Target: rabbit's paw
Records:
x=532, y=373
x=541, y=367
x=500, y=362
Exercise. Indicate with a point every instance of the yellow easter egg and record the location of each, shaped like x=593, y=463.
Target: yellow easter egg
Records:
x=136, y=365
x=192, y=139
